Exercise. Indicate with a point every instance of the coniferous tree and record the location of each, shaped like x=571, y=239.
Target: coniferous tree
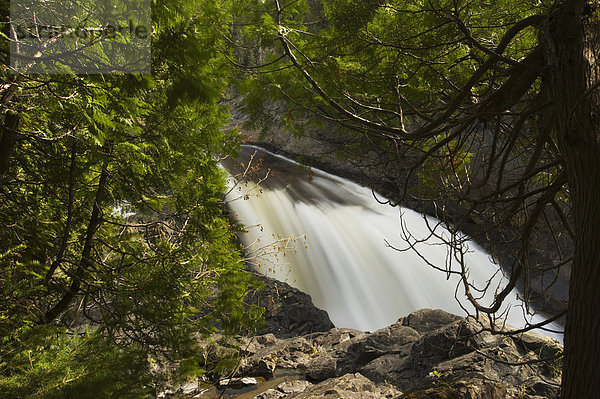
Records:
x=114, y=246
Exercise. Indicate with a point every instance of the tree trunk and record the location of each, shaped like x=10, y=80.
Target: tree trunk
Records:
x=67, y=232
x=8, y=140
x=86, y=261
x=573, y=49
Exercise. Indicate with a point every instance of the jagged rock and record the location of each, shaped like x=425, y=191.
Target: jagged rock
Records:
x=539, y=344
x=428, y=320
x=284, y=390
x=270, y=394
x=321, y=368
x=291, y=353
x=392, y=339
x=266, y=340
x=263, y=368
x=460, y=351
x=288, y=311
x=456, y=359
x=463, y=389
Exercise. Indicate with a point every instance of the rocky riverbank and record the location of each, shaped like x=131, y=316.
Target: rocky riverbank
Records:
x=427, y=354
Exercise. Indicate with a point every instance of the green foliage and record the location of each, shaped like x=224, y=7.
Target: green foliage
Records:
x=48, y=362
x=112, y=214
x=370, y=56
x=555, y=366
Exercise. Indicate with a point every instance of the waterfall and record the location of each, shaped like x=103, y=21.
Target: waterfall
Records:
x=332, y=239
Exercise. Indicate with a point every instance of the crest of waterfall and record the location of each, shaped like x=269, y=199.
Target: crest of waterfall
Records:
x=365, y=263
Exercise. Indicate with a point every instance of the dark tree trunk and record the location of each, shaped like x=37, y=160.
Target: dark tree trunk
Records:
x=573, y=49
x=86, y=261
x=66, y=234
x=8, y=140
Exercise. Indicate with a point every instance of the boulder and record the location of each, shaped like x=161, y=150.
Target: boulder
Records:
x=237, y=383
x=261, y=368
x=293, y=386
x=322, y=367
x=270, y=394
x=462, y=389
x=473, y=362
x=427, y=320
x=288, y=312
x=349, y=386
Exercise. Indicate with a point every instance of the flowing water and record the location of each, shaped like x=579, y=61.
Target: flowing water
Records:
x=332, y=239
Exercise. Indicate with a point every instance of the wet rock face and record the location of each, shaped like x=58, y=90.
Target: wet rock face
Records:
x=428, y=354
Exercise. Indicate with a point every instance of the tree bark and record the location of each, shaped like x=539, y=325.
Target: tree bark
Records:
x=8, y=140
x=573, y=48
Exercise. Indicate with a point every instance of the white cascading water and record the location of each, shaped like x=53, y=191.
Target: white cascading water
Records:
x=327, y=237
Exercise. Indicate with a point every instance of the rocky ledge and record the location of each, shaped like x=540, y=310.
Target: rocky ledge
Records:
x=427, y=354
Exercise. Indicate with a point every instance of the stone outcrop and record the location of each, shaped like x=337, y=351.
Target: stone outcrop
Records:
x=288, y=312
x=428, y=354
